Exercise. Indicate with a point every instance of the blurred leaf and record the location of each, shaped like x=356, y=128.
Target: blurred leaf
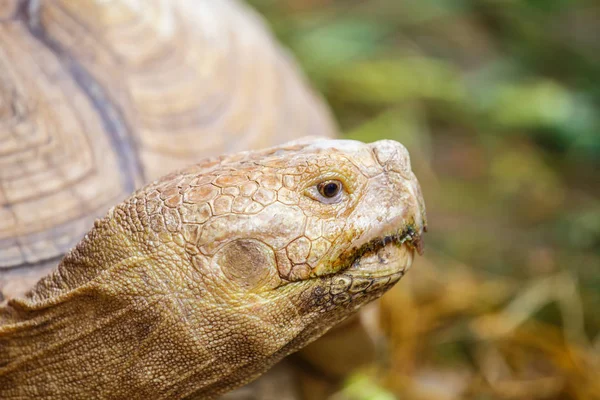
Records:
x=391, y=81
x=361, y=387
x=580, y=229
x=323, y=46
x=405, y=125
x=542, y=103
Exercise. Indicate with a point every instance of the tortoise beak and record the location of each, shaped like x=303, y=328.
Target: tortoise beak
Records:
x=418, y=244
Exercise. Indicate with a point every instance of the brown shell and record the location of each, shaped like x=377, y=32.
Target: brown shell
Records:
x=98, y=97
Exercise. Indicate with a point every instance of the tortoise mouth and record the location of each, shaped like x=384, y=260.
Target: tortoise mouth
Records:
x=408, y=237
x=387, y=258
x=385, y=255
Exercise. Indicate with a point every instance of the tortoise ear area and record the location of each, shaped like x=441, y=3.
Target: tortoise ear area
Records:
x=249, y=264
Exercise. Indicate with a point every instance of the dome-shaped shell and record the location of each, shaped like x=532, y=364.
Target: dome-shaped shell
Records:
x=100, y=96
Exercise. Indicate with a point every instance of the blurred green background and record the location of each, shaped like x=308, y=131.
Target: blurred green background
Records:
x=498, y=102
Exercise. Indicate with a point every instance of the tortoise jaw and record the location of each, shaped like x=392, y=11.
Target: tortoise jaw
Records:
x=388, y=256
x=408, y=237
x=382, y=247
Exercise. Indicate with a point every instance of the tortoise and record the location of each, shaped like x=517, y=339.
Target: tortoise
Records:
x=100, y=98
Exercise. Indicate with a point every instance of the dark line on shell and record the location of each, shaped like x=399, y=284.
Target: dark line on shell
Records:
x=113, y=120
x=32, y=265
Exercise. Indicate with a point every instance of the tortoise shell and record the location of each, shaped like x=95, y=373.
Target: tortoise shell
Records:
x=99, y=97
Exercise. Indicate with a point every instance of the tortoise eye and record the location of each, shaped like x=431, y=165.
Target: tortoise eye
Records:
x=329, y=189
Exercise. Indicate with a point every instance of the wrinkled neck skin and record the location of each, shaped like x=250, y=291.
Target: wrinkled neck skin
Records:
x=204, y=279
x=174, y=331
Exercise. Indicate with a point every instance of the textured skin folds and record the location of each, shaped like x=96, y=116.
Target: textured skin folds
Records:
x=203, y=279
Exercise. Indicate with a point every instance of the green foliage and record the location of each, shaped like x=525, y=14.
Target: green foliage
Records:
x=510, y=67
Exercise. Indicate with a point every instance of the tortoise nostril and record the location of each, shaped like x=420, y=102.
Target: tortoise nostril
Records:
x=392, y=156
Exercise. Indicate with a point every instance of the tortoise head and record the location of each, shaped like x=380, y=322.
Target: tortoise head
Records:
x=323, y=224
x=250, y=256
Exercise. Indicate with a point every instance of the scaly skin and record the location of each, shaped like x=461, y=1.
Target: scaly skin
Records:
x=204, y=279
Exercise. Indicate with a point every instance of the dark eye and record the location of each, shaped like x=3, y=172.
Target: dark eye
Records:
x=329, y=189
